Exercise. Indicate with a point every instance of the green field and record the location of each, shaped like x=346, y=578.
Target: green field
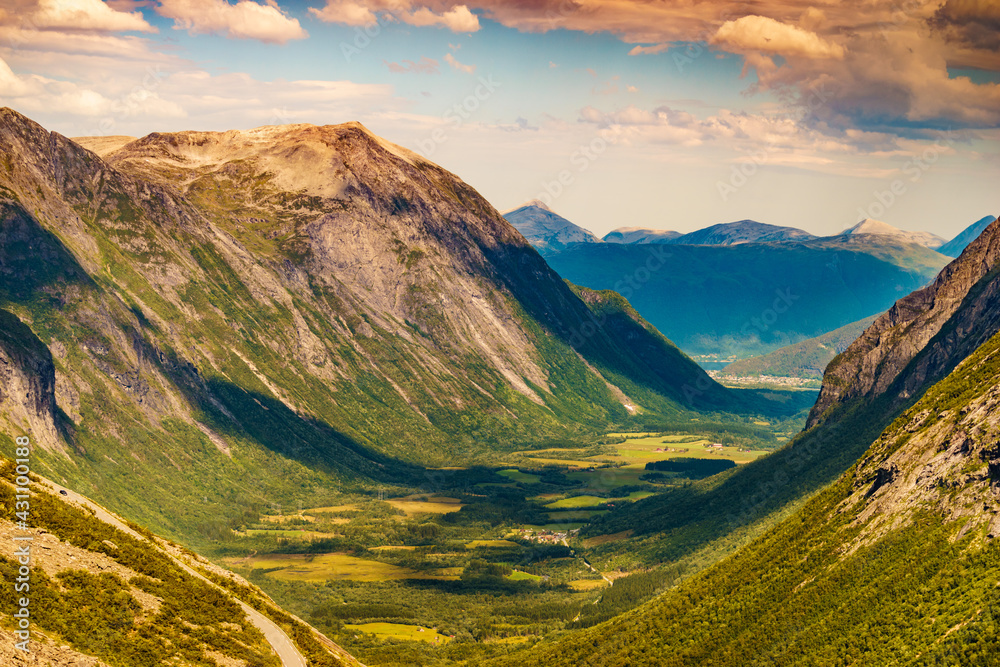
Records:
x=640, y=451
x=487, y=544
x=517, y=575
x=413, y=633
x=518, y=476
x=420, y=504
x=594, y=501
x=328, y=567
x=286, y=532
x=633, y=454
x=582, y=515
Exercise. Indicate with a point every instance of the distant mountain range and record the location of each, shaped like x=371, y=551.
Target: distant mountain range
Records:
x=550, y=232
x=640, y=235
x=742, y=231
x=752, y=298
x=711, y=285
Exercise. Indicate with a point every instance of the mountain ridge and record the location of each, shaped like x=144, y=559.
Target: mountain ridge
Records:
x=955, y=246
x=879, y=228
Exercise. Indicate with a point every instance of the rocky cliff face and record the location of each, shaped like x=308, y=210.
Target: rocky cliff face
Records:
x=943, y=456
x=924, y=335
x=27, y=383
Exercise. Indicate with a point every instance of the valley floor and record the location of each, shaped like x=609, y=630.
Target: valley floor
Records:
x=481, y=561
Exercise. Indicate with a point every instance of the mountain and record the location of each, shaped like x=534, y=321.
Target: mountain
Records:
x=896, y=562
x=104, y=591
x=196, y=323
x=742, y=231
x=806, y=359
x=640, y=235
x=729, y=233
x=879, y=228
x=954, y=247
x=752, y=298
x=545, y=230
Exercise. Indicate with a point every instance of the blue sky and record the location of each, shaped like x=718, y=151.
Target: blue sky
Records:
x=616, y=112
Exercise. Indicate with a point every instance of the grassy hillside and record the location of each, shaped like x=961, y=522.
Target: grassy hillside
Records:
x=805, y=359
x=99, y=588
x=751, y=299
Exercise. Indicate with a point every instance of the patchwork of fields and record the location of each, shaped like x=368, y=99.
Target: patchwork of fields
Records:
x=442, y=558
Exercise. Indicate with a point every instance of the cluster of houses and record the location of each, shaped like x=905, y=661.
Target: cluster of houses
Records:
x=544, y=536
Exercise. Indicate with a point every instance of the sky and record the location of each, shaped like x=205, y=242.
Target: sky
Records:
x=669, y=114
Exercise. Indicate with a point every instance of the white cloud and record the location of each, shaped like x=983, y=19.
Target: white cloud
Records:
x=73, y=16
x=762, y=34
x=244, y=20
x=345, y=12
x=34, y=94
x=453, y=61
x=457, y=18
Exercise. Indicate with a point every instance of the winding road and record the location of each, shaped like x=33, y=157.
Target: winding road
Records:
x=282, y=644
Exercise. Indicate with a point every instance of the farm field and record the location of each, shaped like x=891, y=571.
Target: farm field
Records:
x=329, y=567
x=490, y=544
x=594, y=501
x=333, y=509
x=400, y=631
x=519, y=476
x=422, y=504
x=291, y=532
x=580, y=515
x=634, y=453
x=587, y=584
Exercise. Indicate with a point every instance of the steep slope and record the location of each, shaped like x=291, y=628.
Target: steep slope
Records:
x=545, y=230
x=954, y=247
x=896, y=563
x=742, y=231
x=925, y=334
x=313, y=303
x=806, y=359
x=752, y=298
x=103, y=592
x=879, y=228
x=640, y=235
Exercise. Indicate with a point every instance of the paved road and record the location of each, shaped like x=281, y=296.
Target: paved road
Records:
x=275, y=636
